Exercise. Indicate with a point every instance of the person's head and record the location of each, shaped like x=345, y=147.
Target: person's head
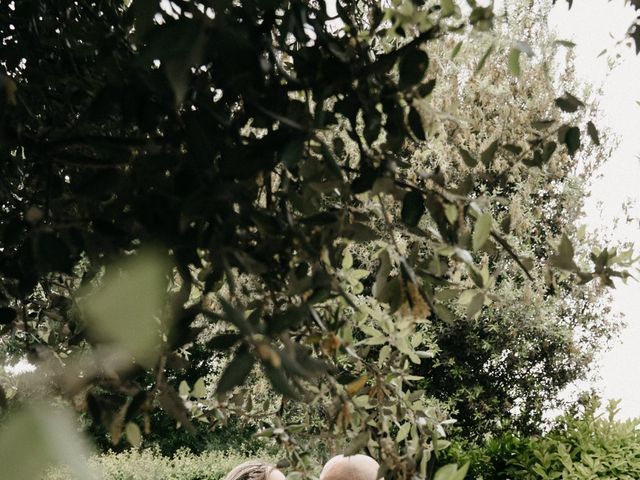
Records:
x=255, y=470
x=354, y=467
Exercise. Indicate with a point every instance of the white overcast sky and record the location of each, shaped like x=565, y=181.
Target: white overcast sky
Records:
x=595, y=25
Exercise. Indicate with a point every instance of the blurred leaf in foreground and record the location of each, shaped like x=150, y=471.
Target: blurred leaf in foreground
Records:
x=38, y=438
x=125, y=310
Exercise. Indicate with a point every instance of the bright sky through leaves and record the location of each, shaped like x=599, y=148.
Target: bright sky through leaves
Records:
x=595, y=25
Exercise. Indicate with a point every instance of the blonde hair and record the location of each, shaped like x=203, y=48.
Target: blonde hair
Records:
x=251, y=470
x=355, y=467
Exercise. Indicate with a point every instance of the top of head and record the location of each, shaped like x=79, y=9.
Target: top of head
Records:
x=255, y=470
x=355, y=467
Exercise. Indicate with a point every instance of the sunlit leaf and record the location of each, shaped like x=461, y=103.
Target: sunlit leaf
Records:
x=447, y=8
x=481, y=231
x=199, y=389
x=485, y=57
x=183, y=389
x=514, y=61
x=403, y=432
x=134, y=436
x=126, y=309
x=475, y=305
x=456, y=50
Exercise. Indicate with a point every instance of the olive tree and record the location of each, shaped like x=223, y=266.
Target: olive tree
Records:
x=172, y=169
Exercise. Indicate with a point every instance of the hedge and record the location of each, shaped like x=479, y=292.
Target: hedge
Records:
x=150, y=464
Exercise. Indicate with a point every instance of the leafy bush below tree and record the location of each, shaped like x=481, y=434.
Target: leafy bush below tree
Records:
x=583, y=445
x=150, y=464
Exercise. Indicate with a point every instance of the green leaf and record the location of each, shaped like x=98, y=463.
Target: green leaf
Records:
x=451, y=472
x=183, y=389
x=563, y=258
x=237, y=371
x=487, y=155
x=10, y=89
x=514, y=61
x=224, y=341
x=635, y=36
x=475, y=305
x=199, y=389
x=485, y=57
x=542, y=124
x=235, y=316
x=134, y=436
x=593, y=133
x=468, y=159
x=364, y=182
x=447, y=8
x=412, y=68
x=572, y=140
x=582, y=232
x=548, y=150
x=279, y=381
x=359, y=232
x=382, y=274
x=356, y=444
x=481, y=231
x=425, y=89
x=403, y=432
x=412, y=208
x=292, y=152
x=568, y=103
x=171, y=403
x=565, y=43
x=372, y=125
x=125, y=310
x=476, y=275
x=40, y=437
x=456, y=50
x=451, y=212
x=415, y=124
x=444, y=313
x=515, y=149
x=331, y=160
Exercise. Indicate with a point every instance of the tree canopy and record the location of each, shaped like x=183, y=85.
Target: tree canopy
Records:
x=271, y=180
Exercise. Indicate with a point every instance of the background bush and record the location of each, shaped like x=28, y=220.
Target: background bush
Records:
x=150, y=464
x=583, y=445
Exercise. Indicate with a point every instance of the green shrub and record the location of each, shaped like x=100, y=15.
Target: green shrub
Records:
x=149, y=464
x=583, y=446
x=489, y=461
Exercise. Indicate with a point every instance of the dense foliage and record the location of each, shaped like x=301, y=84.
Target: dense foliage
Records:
x=585, y=444
x=151, y=465
x=188, y=185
